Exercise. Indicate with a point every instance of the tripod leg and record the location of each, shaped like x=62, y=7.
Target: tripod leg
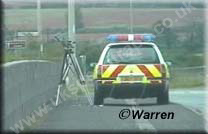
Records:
x=77, y=68
x=58, y=94
x=80, y=76
x=64, y=72
x=85, y=89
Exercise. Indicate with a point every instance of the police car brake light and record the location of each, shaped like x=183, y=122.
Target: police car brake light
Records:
x=131, y=37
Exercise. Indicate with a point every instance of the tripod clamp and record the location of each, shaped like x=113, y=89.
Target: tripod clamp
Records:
x=69, y=46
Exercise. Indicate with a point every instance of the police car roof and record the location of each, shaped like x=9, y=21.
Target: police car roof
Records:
x=131, y=43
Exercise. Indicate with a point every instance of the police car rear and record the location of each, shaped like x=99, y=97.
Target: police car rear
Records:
x=131, y=67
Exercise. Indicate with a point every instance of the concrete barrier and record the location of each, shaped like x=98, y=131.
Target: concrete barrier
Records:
x=27, y=85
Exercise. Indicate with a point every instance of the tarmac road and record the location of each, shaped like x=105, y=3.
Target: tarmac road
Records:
x=194, y=98
x=79, y=115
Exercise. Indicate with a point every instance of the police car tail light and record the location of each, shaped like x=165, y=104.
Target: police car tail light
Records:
x=131, y=37
x=163, y=70
x=99, y=71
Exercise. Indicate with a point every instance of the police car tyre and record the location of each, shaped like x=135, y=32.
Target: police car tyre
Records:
x=98, y=96
x=163, y=97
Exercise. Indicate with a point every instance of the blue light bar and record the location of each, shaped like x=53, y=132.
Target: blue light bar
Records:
x=112, y=38
x=131, y=37
x=149, y=37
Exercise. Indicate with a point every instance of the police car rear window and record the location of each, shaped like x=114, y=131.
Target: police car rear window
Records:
x=131, y=54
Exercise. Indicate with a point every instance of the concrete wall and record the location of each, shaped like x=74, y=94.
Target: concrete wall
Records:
x=27, y=85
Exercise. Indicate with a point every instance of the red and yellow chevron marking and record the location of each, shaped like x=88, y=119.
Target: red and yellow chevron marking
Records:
x=149, y=70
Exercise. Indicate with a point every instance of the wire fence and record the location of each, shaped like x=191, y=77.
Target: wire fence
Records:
x=187, y=76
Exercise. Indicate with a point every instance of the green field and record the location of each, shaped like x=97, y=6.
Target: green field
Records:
x=25, y=19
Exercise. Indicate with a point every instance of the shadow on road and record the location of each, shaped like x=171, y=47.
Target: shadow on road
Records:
x=141, y=104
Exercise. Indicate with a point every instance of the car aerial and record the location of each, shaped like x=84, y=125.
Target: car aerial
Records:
x=131, y=66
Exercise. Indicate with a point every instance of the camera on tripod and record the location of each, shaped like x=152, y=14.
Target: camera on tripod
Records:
x=69, y=63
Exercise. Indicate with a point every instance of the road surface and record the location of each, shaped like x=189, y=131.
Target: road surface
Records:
x=77, y=114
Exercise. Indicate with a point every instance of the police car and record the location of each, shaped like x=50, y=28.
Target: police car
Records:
x=131, y=66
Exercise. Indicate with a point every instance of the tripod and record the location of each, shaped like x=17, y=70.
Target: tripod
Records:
x=69, y=55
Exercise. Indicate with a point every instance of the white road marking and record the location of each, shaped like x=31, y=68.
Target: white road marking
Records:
x=142, y=124
x=206, y=110
x=206, y=121
x=24, y=61
x=190, y=92
x=195, y=110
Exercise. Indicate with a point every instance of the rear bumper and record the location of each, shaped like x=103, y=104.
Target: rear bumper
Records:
x=131, y=90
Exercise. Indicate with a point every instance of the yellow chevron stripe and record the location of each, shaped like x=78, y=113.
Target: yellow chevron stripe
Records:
x=135, y=69
x=109, y=71
x=154, y=70
x=126, y=69
x=131, y=68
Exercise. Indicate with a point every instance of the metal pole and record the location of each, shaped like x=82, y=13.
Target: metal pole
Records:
x=131, y=18
x=71, y=21
x=71, y=25
x=39, y=25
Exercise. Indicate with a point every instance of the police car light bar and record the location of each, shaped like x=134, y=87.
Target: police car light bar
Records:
x=131, y=37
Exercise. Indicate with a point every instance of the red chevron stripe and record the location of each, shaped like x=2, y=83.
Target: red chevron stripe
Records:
x=118, y=70
x=104, y=68
x=145, y=71
x=161, y=68
x=158, y=66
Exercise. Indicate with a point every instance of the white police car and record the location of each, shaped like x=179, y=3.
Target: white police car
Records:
x=131, y=67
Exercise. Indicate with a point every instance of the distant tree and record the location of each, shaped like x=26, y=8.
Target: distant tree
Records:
x=78, y=17
x=195, y=40
x=8, y=34
x=167, y=33
x=170, y=37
